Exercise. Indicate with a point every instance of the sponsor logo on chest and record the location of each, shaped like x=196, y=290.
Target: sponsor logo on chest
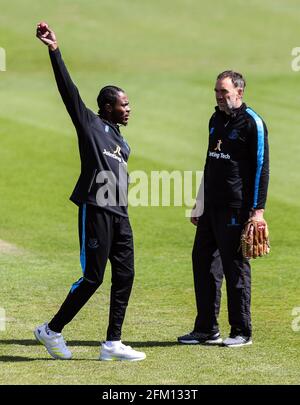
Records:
x=217, y=152
x=116, y=154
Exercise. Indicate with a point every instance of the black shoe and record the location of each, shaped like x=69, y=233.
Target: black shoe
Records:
x=195, y=338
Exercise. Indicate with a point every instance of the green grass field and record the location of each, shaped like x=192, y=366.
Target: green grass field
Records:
x=166, y=54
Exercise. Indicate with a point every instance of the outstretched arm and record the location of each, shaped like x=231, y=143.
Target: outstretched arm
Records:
x=68, y=91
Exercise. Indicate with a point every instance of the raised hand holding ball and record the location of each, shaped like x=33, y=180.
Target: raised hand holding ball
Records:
x=46, y=35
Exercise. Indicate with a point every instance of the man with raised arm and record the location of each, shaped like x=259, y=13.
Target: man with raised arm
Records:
x=101, y=195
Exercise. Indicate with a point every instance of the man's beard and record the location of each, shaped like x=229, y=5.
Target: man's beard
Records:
x=227, y=107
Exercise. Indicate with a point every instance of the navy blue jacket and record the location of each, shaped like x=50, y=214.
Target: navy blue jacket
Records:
x=236, y=171
x=103, y=151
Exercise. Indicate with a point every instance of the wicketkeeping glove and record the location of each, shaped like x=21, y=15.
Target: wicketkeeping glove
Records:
x=255, y=239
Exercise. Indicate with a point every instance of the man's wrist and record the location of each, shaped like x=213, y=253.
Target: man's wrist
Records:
x=258, y=213
x=53, y=46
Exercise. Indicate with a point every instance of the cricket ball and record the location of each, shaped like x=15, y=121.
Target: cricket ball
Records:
x=43, y=27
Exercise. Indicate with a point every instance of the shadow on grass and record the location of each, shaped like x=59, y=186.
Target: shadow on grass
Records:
x=11, y=359
x=96, y=343
x=14, y=359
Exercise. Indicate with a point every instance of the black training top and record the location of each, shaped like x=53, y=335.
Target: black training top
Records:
x=236, y=171
x=104, y=153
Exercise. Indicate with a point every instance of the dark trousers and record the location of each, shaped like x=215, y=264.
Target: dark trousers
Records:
x=103, y=236
x=220, y=229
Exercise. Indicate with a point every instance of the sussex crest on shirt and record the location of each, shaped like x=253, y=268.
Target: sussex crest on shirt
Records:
x=233, y=134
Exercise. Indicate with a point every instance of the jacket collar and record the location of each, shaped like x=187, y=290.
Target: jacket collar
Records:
x=114, y=126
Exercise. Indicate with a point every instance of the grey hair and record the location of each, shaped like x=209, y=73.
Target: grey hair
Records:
x=237, y=78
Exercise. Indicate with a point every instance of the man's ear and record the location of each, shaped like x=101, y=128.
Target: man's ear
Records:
x=108, y=108
x=240, y=92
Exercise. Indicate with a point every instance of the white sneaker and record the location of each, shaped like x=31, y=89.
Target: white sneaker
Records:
x=54, y=342
x=237, y=341
x=120, y=352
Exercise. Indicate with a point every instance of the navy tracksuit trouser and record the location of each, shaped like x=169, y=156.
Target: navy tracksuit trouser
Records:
x=220, y=229
x=103, y=236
